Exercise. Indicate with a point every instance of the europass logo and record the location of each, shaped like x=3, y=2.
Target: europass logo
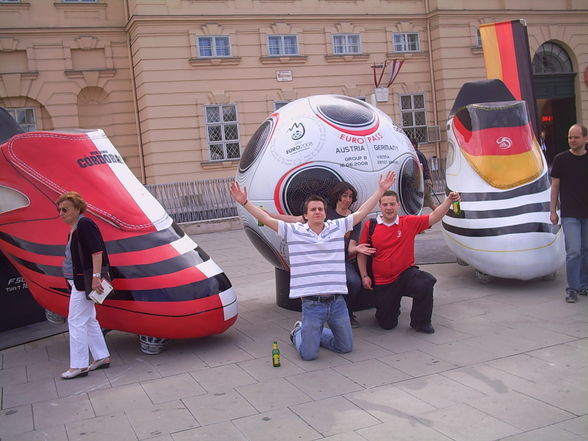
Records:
x=99, y=158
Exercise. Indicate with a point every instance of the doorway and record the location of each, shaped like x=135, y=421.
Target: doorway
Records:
x=553, y=80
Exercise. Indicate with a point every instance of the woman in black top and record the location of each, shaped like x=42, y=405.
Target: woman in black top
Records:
x=85, y=254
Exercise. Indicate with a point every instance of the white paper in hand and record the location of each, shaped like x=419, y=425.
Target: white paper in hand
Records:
x=99, y=298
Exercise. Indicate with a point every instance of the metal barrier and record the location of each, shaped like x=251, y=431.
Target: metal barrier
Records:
x=195, y=200
x=210, y=199
x=437, y=169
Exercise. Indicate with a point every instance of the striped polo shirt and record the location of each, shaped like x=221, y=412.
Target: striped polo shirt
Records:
x=317, y=261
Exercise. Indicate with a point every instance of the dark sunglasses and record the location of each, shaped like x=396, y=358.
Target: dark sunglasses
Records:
x=62, y=209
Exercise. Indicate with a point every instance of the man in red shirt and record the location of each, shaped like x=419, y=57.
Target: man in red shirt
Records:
x=392, y=267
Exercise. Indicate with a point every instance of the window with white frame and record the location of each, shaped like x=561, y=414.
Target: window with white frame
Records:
x=222, y=131
x=9, y=1
x=478, y=38
x=346, y=44
x=406, y=42
x=280, y=45
x=414, y=123
x=214, y=46
x=25, y=116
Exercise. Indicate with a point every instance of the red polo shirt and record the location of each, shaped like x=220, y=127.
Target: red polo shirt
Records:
x=394, y=246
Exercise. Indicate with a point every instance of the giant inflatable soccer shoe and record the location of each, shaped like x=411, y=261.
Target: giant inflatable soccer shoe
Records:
x=166, y=285
x=496, y=165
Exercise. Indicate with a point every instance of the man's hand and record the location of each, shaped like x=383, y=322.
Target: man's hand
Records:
x=364, y=248
x=442, y=209
x=385, y=182
x=366, y=281
x=237, y=193
x=454, y=196
x=554, y=218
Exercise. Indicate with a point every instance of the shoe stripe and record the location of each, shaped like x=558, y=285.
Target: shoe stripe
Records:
x=33, y=247
x=502, y=212
x=538, y=186
x=196, y=290
x=208, y=287
x=165, y=267
x=123, y=245
x=530, y=227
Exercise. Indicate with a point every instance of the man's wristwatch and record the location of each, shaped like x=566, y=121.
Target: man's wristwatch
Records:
x=97, y=275
x=364, y=276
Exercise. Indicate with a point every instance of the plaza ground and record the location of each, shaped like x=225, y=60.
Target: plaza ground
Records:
x=509, y=361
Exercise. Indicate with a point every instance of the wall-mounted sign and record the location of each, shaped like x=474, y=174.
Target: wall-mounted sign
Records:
x=284, y=75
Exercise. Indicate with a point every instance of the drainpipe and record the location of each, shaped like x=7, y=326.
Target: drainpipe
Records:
x=135, y=102
x=432, y=75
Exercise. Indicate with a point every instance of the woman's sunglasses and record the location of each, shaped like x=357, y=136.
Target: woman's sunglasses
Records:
x=62, y=209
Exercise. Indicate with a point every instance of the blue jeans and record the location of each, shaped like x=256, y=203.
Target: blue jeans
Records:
x=313, y=334
x=576, y=240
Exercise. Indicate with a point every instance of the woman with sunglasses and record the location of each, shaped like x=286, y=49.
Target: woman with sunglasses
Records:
x=85, y=253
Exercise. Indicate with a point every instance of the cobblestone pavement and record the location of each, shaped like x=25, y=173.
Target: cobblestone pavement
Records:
x=509, y=361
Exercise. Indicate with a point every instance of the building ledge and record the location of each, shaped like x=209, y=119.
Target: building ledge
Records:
x=218, y=61
x=406, y=55
x=14, y=6
x=332, y=58
x=289, y=59
x=227, y=163
x=29, y=75
x=102, y=73
x=78, y=6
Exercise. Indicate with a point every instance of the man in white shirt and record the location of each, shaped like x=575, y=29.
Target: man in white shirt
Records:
x=317, y=268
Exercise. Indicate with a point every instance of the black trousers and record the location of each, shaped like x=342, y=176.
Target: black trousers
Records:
x=412, y=283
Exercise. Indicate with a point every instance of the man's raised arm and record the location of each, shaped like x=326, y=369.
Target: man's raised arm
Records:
x=384, y=183
x=239, y=195
x=442, y=209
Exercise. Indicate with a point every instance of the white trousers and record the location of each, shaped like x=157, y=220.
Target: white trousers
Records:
x=84, y=330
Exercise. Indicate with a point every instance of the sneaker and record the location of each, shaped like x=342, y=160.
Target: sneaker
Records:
x=584, y=291
x=155, y=263
x=572, y=297
x=297, y=325
x=354, y=321
x=425, y=329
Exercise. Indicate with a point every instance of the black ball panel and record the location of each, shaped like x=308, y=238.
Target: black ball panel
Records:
x=410, y=186
x=256, y=144
x=303, y=183
x=347, y=112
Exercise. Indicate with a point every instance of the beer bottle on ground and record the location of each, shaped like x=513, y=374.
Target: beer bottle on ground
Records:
x=275, y=355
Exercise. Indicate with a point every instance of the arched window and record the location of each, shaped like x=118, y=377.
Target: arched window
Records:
x=551, y=58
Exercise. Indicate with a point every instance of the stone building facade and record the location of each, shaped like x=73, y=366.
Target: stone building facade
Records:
x=180, y=86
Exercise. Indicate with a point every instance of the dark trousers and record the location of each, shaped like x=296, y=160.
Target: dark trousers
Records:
x=353, y=286
x=412, y=283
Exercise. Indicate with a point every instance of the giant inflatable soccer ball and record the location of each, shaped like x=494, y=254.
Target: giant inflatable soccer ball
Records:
x=311, y=144
x=165, y=285
x=495, y=163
